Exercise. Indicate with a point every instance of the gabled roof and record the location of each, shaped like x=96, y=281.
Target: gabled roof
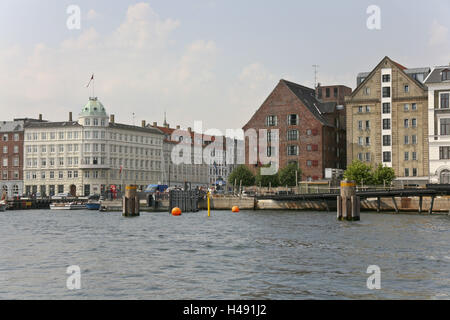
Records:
x=399, y=66
x=435, y=75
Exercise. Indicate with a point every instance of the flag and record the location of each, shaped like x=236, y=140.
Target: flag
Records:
x=120, y=171
x=92, y=78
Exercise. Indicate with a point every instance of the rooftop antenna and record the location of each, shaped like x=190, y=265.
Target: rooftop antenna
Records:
x=165, y=120
x=316, y=71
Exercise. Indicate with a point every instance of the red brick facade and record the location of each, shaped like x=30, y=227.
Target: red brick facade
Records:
x=317, y=143
x=11, y=148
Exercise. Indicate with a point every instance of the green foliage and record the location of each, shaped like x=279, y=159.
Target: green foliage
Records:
x=359, y=172
x=242, y=172
x=265, y=180
x=363, y=173
x=384, y=175
x=287, y=175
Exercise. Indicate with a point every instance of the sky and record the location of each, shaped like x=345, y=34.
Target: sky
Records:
x=214, y=61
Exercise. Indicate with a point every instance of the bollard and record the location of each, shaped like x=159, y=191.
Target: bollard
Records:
x=130, y=202
x=348, y=203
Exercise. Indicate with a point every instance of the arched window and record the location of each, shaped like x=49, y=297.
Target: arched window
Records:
x=445, y=177
x=5, y=189
x=15, y=190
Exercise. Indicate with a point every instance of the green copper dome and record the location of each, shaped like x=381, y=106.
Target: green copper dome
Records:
x=93, y=108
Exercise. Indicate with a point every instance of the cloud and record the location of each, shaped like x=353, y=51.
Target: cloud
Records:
x=139, y=69
x=438, y=34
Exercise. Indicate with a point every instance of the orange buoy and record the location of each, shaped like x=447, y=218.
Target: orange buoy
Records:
x=235, y=209
x=176, y=211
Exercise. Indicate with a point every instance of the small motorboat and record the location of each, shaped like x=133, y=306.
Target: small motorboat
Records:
x=93, y=205
x=67, y=206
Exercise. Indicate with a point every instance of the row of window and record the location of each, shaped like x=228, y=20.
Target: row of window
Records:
x=386, y=90
x=407, y=123
x=5, y=137
x=95, y=147
x=327, y=92
x=15, y=189
x=6, y=175
x=94, y=174
x=95, y=134
x=406, y=140
x=15, y=162
x=387, y=107
x=95, y=122
x=73, y=161
x=15, y=149
x=414, y=172
x=69, y=135
x=272, y=120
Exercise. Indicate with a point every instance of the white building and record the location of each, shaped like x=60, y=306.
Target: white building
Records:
x=438, y=82
x=90, y=156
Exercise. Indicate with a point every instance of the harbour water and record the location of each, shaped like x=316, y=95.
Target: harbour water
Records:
x=246, y=255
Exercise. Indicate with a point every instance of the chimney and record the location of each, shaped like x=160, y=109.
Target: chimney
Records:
x=40, y=116
x=190, y=130
x=111, y=118
x=70, y=116
x=166, y=125
x=178, y=127
x=155, y=124
x=143, y=123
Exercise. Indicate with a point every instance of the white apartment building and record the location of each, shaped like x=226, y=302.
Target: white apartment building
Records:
x=438, y=82
x=90, y=156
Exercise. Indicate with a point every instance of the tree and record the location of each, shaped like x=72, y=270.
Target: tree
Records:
x=242, y=172
x=287, y=175
x=265, y=180
x=384, y=175
x=359, y=172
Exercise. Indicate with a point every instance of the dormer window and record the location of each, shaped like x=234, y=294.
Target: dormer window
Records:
x=445, y=74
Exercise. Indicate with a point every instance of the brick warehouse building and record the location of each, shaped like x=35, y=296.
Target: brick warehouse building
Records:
x=311, y=130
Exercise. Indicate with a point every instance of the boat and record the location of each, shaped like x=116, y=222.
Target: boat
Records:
x=93, y=205
x=67, y=206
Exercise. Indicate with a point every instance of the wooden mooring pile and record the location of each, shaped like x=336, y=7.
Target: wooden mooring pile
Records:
x=348, y=203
